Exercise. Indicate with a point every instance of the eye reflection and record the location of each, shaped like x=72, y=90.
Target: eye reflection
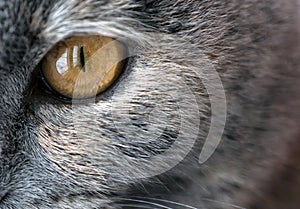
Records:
x=61, y=64
x=75, y=56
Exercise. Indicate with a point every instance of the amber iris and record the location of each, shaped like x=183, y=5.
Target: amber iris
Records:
x=82, y=67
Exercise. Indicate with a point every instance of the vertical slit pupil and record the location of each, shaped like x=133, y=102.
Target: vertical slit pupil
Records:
x=82, y=59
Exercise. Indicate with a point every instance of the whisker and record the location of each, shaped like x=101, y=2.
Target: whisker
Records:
x=167, y=201
x=142, y=201
x=223, y=203
x=135, y=206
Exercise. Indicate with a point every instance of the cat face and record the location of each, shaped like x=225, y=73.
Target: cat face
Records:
x=58, y=152
x=52, y=146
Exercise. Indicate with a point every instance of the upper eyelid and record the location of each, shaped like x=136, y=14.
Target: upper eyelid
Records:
x=64, y=20
x=53, y=21
x=41, y=53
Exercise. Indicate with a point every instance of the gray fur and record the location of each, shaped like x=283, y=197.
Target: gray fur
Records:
x=55, y=155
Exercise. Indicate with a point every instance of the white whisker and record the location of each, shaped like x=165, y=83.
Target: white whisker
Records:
x=135, y=206
x=167, y=201
x=223, y=203
x=142, y=201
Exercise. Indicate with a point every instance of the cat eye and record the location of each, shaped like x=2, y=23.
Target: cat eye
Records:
x=82, y=67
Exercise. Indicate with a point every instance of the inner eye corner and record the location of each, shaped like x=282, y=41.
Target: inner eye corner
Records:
x=79, y=69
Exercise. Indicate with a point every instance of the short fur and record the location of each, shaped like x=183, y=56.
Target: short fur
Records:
x=58, y=155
